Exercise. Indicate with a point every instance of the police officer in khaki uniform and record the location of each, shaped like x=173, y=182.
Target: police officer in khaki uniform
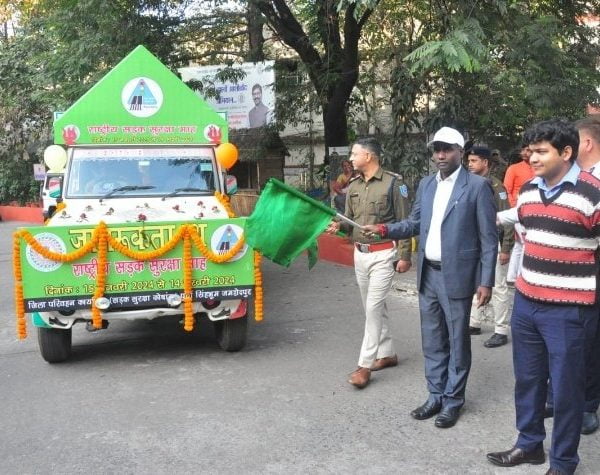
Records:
x=375, y=196
x=497, y=165
x=479, y=158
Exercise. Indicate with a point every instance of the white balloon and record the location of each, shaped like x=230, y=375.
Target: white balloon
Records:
x=55, y=158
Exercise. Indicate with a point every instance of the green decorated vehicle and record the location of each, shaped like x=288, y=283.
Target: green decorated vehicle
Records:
x=143, y=227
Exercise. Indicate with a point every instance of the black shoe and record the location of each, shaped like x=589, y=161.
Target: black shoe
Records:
x=447, y=418
x=516, y=456
x=554, y=471
x=427, y=410
x=474, y=330
x=548, y=411
x=590, y=423
x=496, y=340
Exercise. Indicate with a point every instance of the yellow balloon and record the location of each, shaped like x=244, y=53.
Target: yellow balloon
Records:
x=227, y=155
x=55, y=158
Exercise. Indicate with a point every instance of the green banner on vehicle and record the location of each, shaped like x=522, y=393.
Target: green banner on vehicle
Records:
x=140, y=101
x=50, y=285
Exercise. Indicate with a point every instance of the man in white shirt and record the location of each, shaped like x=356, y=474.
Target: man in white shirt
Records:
x=454, y=214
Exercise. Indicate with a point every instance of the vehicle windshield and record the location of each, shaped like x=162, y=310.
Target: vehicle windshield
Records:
x=152, y=171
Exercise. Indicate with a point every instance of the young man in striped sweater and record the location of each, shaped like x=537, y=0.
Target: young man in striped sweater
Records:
x=555, y=309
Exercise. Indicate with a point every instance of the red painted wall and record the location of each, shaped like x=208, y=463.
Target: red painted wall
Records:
x=336, y=249
x=29, y=214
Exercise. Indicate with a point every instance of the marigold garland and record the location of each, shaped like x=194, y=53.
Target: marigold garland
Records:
x=70, y=256
x=188, y=311
x=100, y=275
x=147, y=255
x=258, y=289
x=225, y=202
x=101, y=238
x=19, y=301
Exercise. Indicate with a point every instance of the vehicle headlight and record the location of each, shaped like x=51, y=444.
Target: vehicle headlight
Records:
x=174, y=300
x=102, y=303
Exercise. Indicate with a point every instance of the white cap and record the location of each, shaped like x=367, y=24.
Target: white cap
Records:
x=448, y=135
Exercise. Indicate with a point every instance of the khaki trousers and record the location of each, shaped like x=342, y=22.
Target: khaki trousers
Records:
x=374, y=274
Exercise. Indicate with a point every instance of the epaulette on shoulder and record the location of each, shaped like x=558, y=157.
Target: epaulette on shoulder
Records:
x=494, y=181
x=395, y=175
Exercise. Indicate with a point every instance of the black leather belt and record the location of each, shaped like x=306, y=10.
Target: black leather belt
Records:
x=437, y=265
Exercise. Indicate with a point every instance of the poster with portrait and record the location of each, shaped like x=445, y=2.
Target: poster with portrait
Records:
x=249, y=102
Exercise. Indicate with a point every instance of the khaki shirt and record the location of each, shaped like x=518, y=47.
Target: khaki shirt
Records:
x=383, y=199
x=506, y=233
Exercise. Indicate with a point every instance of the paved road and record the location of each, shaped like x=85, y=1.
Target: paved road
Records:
x=147, y=398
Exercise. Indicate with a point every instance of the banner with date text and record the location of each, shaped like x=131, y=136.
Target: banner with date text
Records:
x=50, y=286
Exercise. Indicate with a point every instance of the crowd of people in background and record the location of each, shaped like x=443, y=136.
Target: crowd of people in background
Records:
x=529, y=230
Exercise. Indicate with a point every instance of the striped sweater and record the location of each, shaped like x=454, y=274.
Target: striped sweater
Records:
x=563, y=234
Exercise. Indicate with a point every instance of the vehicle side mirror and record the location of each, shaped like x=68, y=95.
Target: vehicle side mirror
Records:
x=231, y=186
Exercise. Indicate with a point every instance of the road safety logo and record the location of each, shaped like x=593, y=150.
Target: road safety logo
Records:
x=142, y=97
x=51, y=242
x=225, y=237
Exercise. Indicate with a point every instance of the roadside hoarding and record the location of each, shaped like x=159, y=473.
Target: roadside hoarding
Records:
x=249, y=102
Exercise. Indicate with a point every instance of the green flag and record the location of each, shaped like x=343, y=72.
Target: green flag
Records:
x=285, y=222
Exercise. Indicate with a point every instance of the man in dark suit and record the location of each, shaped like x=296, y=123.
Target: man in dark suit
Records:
x=455, y=215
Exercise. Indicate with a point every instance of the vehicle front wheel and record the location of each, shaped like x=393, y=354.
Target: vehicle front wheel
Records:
x=231, y=334
x=55, y=344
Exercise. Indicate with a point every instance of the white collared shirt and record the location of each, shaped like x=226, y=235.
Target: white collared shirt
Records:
x=433, y=246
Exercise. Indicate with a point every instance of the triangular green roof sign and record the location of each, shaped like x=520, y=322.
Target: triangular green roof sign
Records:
x=140, y=102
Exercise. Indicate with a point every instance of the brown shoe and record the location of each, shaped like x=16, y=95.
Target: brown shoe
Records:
x=360, y=377
x=386, y=362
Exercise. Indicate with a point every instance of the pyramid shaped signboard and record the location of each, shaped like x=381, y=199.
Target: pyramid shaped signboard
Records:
x=140, y=101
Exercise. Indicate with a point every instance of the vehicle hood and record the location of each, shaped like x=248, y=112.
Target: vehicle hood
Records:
x=131, y=210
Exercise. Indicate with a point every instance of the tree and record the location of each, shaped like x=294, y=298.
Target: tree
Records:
x=218, y=32
x=256, y=40
x=327, y=44
x=493, y=68
x=58, y=51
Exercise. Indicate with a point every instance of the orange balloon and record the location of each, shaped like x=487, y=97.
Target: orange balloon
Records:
x=227, y=155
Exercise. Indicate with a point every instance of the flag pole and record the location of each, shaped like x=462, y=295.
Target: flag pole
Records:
x=348, y=220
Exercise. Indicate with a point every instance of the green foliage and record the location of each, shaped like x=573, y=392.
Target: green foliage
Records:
x=207, y=85
x=543, y=69
x=460, y=50
x=17, y=183
x=491, y=69
x=59, y=50
x=360, y=6
x=407, y=155
x=215, y=32
x=488, y=68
